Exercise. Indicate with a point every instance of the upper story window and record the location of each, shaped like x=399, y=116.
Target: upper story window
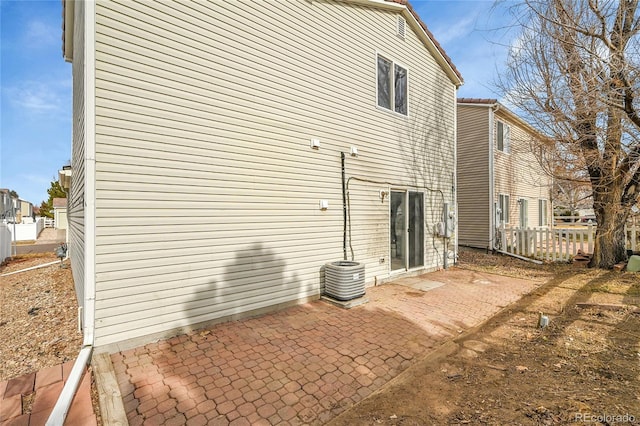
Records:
x=392, y=86
x=504, y=137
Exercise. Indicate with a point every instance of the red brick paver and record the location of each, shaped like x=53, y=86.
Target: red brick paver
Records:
x=305, y=364
x=47, y=376
x=10, y=407
x=20, y=385
x=45, y=387
x=46, y=397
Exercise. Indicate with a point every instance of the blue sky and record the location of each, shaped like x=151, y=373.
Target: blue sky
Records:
x=35, y=82
x=35, y=108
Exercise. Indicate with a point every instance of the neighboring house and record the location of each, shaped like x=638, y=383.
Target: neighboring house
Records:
x=60, y=213
x=237, y=113
x=586, y=215
x=25, y=214
x=500, y=180
x=6, y=206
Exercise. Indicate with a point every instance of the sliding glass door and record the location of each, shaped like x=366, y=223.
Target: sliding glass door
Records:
x=407, y=230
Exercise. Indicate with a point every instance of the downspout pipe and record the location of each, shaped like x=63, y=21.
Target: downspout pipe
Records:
x=492, y=194
x=344, y=209
x=63, y=404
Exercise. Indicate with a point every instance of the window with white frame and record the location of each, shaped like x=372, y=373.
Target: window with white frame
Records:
x=524, y=212
x=503, y=205
x=543, y=215
x=504, y=135
x=392, y=86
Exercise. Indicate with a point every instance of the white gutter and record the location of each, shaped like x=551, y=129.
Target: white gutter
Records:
x=492, y=192
x=61, y=409
x=455, y=176
x=537, y=262
x=90, y=172
x=31, y=268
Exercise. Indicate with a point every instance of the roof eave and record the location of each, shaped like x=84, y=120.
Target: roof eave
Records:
x=67, y=29
x=503, y=110
x=411, y=16
x=433, y=46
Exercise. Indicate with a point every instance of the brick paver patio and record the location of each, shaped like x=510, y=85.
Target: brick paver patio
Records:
x=305, y=364
x=42, y=389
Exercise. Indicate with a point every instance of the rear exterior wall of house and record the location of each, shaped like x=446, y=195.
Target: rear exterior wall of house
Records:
x=207, y=189
x=474, y=206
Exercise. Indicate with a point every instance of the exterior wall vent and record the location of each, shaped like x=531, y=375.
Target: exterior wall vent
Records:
x=401, y=27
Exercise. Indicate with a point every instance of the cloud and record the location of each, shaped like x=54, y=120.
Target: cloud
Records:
x=39, y=34
x=460, y=29
x=36, y=97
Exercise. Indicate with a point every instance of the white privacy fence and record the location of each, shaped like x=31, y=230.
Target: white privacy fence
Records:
x=5, y=242
x=556, y=244
x=26, y=231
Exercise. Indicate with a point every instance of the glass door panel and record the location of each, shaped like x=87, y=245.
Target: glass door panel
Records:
x=416, y=229
x=398, y=230
x=407, y=230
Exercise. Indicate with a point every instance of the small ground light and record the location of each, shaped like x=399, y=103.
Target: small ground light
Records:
x=61, y=252
x=543, y=320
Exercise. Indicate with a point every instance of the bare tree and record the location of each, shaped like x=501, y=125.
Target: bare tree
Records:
x=570, y=196
x=573, y=72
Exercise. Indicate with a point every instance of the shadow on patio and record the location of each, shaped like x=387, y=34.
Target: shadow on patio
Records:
x=305, y=364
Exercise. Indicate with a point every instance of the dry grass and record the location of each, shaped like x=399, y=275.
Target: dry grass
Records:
x=480, y=260
x=510, y=371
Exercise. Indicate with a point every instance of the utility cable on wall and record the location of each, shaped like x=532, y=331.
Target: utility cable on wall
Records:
x=391, y=184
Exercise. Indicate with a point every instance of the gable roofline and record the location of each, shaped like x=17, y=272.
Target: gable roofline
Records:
x=477, y=101
x=501, y=109
x=429, y=41
x=403, y=6
x=425, y=35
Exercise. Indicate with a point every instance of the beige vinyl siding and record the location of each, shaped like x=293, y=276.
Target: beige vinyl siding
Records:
x=207, y=189
x=519, y=174
x=474, y=206
x=77, y=191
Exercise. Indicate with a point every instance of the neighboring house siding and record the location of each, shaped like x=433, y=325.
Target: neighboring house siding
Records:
x=60, y=218
x=26, y=211
x=207, y=189
x=474, y=207
x=76, y=192
x=519, y=174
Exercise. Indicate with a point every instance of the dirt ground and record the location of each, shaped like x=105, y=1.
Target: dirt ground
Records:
x=583, y=368
x=38, y=316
